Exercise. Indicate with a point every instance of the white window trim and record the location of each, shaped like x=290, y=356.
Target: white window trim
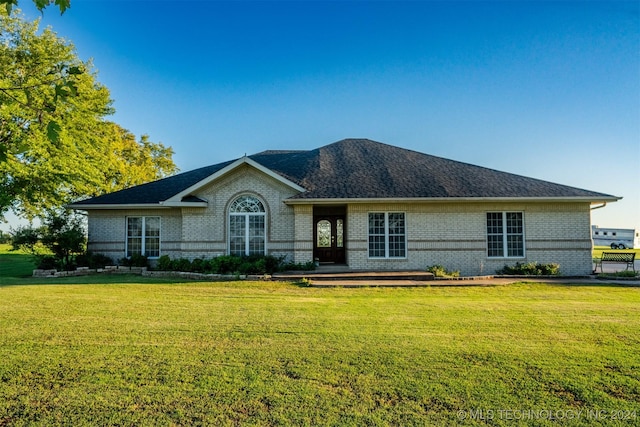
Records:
x=246, y=216
x=144, y=236
x=386, y=235
x=505, y=248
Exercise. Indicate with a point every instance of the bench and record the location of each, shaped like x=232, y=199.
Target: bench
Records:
x=617, y=258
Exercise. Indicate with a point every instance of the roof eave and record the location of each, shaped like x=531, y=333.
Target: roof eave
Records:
x=327, y=201
x=171, y=204
x=116, y=206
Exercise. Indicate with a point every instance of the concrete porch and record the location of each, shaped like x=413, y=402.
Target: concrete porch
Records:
x=329, y=272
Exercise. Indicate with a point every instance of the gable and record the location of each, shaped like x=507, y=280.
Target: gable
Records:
x=245, y=180
x=179, y=190
x=244, y=161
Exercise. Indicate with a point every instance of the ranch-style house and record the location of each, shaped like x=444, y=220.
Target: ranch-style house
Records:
x=365, y=204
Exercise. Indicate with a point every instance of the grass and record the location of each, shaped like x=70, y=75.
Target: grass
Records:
x=14, y=263
x=268, y=353
x=126, y=350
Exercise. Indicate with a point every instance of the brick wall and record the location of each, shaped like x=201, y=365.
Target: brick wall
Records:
x=453, y=235
x=205, y=230
x=303, y=249
x=107, y=230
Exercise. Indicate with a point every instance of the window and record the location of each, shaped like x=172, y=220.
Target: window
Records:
x=505, y=234
x=323, y=231
x=143, y=236
x=387, y=235
x=247, y=226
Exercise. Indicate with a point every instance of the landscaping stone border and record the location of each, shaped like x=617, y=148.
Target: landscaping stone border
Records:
x=143, y=271
x=85, y=271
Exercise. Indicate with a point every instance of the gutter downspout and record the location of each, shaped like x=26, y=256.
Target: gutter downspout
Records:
x=601, y=206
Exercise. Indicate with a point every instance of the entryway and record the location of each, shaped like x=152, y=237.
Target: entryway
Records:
x=329, y=231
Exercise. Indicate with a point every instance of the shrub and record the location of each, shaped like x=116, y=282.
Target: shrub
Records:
x=272, y=263
x=135, y=260
x=439, y=271
x=531, y=269
x=245, y=267
x=198, y=265
x=181, y=264
x=224, y=264
x=62, y=233
x=301, y=266
x=47, y=262
x=164, y=263
x=93, y=261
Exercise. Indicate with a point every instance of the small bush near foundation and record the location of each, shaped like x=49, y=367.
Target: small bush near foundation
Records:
x=198, y=265
x=531, y=269
x=225, y=264
x=164, y=263
x=93, y=261
x=135, y=260
x=229, y=264
x=301, y=266
x=439, y=271
x=182, y=264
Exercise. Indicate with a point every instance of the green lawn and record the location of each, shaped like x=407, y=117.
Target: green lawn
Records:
x=263, y=353
x=14, y=263
x=123, y=350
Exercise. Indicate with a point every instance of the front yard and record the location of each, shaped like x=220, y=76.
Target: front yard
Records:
x=264, y=353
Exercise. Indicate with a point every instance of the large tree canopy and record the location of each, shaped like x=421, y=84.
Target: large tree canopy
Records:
x=132, y=162
x=55, y=144
x=40, y=4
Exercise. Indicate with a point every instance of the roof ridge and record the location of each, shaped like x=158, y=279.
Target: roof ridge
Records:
x=269, y=152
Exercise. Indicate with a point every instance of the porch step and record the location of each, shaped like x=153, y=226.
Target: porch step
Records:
x=355, y=275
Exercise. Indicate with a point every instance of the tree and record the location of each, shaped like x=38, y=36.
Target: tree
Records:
x=62, y=233
x=56, y=145
x=133, y=162
x=63, y=5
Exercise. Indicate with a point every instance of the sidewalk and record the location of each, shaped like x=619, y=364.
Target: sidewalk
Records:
x=342, y=276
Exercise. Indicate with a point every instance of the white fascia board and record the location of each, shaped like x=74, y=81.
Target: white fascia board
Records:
x=452, y=199
x=241, y=161
x=171, y=204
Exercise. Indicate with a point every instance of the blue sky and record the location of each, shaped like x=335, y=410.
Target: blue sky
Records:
x=549, y=90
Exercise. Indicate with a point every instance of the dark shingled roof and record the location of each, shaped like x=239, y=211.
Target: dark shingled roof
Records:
x=362, y=169
x=156, y=191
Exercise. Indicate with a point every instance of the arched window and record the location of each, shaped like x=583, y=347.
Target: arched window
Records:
x=247, y=226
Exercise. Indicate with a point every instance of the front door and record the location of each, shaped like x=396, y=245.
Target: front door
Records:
x=329, y=231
